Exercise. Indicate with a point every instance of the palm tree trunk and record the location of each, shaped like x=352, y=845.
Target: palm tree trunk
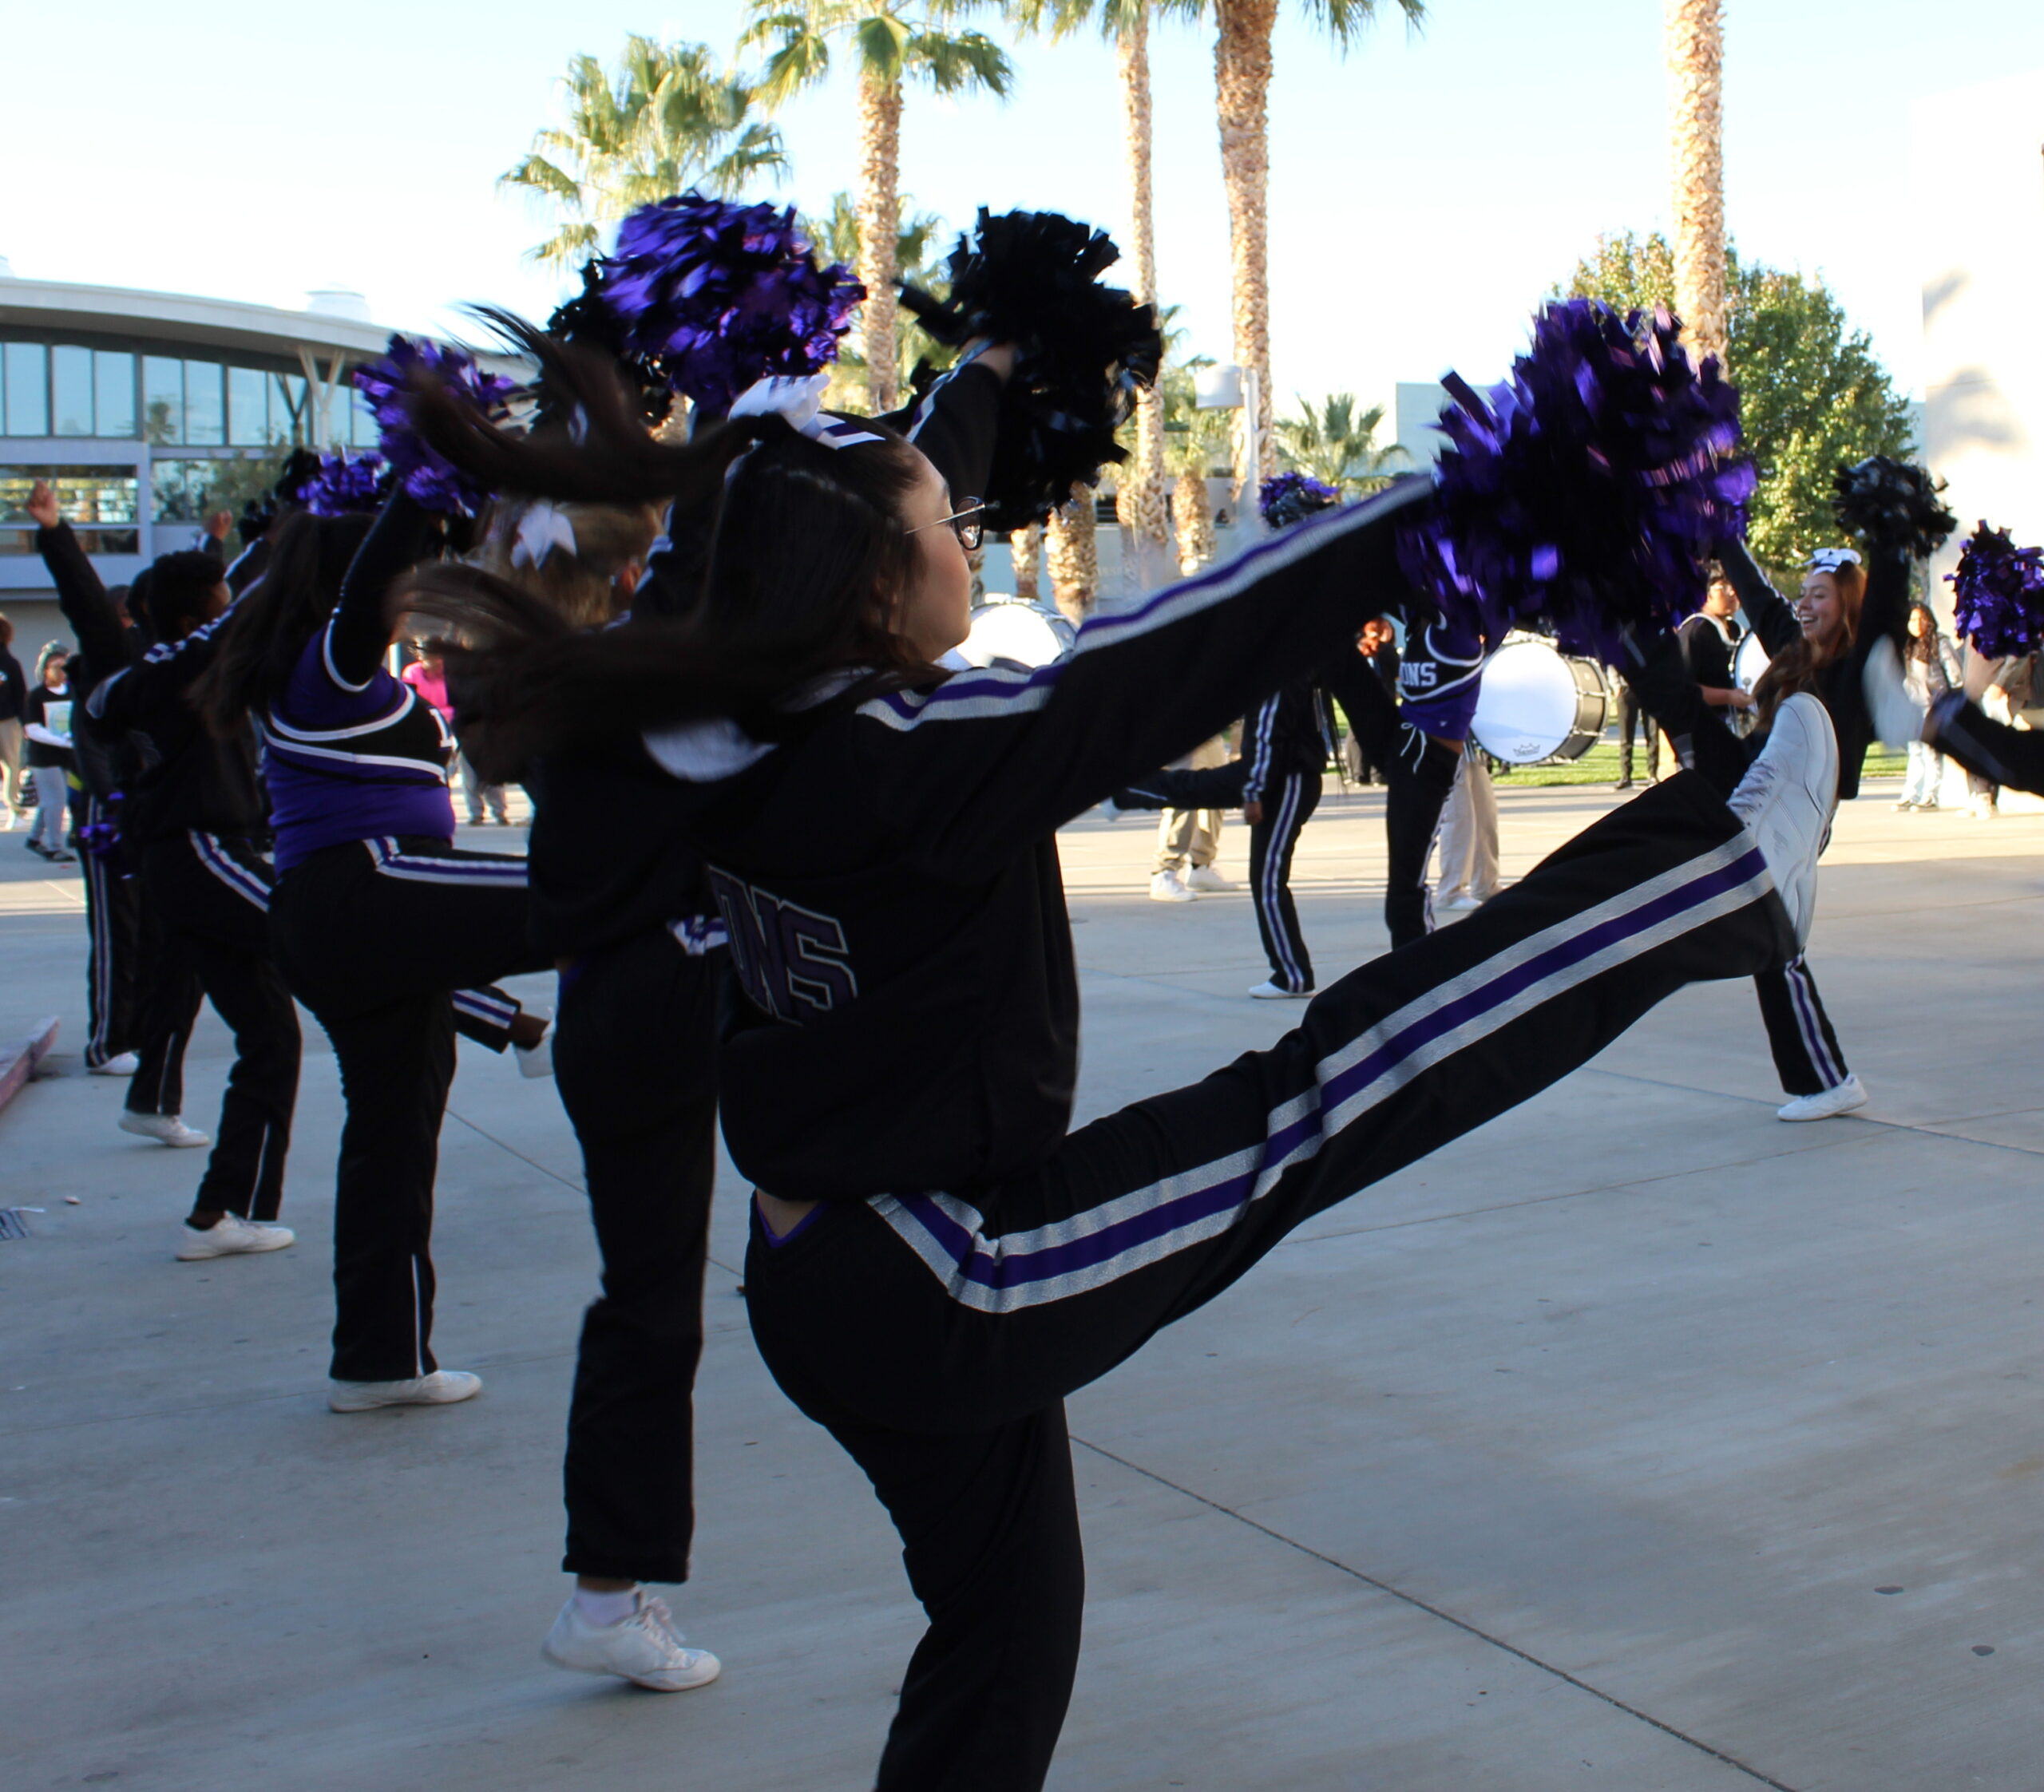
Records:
x=1695, y=40
x=880, y=229
x=1193, y=517
x=1025, y=552
x=1139, y=498
x=1072, y=545
x=1242, y=83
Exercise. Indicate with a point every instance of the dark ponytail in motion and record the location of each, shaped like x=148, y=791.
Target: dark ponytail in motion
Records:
x=796, y=551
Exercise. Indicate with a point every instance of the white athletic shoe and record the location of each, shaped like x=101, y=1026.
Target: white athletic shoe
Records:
x=443, y=1387
x=644, y=1648
x=1896, y=716
x=125, y=1064
x=1786, y=800
x=165, y=1129
x=1463, y=903
x=536, y=1060
x=231, y=1236
x=1207, y=880
x=1268, y=991
x=1842, y=1099
x=1166, y=887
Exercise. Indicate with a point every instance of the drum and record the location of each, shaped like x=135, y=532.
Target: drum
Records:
x=1535, y=703
x=1023, y=634
x=1749, y=661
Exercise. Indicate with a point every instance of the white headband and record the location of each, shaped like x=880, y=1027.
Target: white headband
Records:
x=540, y=530
x=801, y=401
x=1830, y=560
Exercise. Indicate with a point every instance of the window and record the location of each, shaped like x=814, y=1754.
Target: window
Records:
x=162, y=398
x=98, y=502
x=71, y=390
x=288, y=421
x=113, y=393
x=248, y=407
x=205, y=408
x=27, y=396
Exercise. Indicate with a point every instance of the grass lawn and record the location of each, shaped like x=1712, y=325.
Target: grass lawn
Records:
x=1600, y=765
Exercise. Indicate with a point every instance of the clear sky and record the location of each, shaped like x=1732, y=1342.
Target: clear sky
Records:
x=1426, y=190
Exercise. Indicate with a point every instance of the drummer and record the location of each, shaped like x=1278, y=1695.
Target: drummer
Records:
x=1708, y=639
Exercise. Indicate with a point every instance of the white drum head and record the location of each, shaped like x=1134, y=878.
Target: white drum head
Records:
x=1525, y=707
x=1023, y=633
x=1749, y=659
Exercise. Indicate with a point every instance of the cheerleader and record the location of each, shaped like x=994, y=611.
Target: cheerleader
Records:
x=1820, y=645
x=390, y=934
x=935, y=1262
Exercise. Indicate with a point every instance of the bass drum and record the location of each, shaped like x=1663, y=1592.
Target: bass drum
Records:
x=1022, y=634
x=1749, y=659
x=1535, y=703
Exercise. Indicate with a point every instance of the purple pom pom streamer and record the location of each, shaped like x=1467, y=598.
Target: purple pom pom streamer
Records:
x=1292, y=497
x=1999, y=594
x=346, y=485
x=1583, y=496
x=720, y=296
x=425, y=475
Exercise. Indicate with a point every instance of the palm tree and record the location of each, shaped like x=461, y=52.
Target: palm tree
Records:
x=669, y=118
x=1196, y=442
x=917, y=246
x=1139, y=504
x=1337, y=446
x=1071, y=548
x=893, y=43
x=1695, y=40
x=1241, y=84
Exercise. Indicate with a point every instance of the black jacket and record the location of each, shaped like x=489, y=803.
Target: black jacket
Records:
x=107, y=761
x=1289, y=732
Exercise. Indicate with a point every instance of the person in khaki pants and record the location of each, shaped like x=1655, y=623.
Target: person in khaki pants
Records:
x=1469, y=836
x=14, y=706
x=1189, y=839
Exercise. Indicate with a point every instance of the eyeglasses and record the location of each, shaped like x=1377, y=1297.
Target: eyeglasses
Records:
x=969, y=534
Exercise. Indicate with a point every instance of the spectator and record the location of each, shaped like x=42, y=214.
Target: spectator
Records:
x=428, y=677
x=14, y=709
x=1189, y=839
x=1378, y=643
x=1930, y=670
x=48, y=727
x=1707, y=639
x=1469, y=835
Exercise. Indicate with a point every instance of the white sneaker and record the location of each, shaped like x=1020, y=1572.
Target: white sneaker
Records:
x=644, y=1648
x=165, y=1129
x=125, y=1064
x=1268, y=991
x=1896, y=716
x=536, y=1060
x=1786, y=799
x=1463, y=903
x=1842, y=1099
x=1207, y=878
x=443, y=1387
x=1985, y=808
x=1164, y=886
x=232, y=1236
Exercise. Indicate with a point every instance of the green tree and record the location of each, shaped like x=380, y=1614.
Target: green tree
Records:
x=1811, y=392
x=1337, y=444
x=892, y=42
x=666, y=119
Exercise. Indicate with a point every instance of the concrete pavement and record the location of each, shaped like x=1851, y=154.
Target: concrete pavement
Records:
x=1638, y=1440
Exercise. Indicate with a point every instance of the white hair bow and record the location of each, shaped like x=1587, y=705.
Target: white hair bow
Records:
x=800, y=399
x=544, y=528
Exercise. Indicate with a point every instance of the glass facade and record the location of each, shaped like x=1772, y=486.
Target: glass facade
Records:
x=162, y=398
x=25, y=401
x=113, y=393
x=71, y=391
x=101, y=502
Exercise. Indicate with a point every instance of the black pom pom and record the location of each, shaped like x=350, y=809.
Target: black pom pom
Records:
x=1891, y=505
x=1083, y=350
x=587, y=320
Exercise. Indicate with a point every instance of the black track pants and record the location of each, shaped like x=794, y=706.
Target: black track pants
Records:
x=113, y=927
x=375, y=937
x=168, y=1001
x=936, y=1334
x=1799, y=1032
x=635, y=1058
x=1419, y=773
x=1288, y=804
x=211, y=895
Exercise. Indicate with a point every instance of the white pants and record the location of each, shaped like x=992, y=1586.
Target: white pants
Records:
x=1927, y=768
x=1469, y=834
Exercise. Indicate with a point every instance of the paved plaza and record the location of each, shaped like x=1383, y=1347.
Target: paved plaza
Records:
x=1639, y=1440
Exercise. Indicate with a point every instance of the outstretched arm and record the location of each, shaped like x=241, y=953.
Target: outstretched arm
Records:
x=359, y=635
x=1991, y=749
x=79, y=593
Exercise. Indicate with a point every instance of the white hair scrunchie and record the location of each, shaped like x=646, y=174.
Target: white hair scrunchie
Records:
x=544, y=528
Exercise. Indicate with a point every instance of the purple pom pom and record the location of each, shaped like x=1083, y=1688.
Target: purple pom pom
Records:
x=720, y=296
x=1293, y=496
x=1583, y=495
x=425, y=475
x=345, y=486
x=1999, y=593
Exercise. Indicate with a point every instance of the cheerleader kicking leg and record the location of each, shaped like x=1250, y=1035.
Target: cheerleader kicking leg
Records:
x=936, y=1334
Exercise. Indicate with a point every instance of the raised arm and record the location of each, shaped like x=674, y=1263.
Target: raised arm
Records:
x=955, y=422
x=359, y=635
x=1768, y=613
x=79, y=593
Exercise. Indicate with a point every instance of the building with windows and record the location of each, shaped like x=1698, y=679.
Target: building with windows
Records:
x=146, y=410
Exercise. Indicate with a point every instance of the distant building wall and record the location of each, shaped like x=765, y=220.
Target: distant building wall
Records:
x=1979, y=214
